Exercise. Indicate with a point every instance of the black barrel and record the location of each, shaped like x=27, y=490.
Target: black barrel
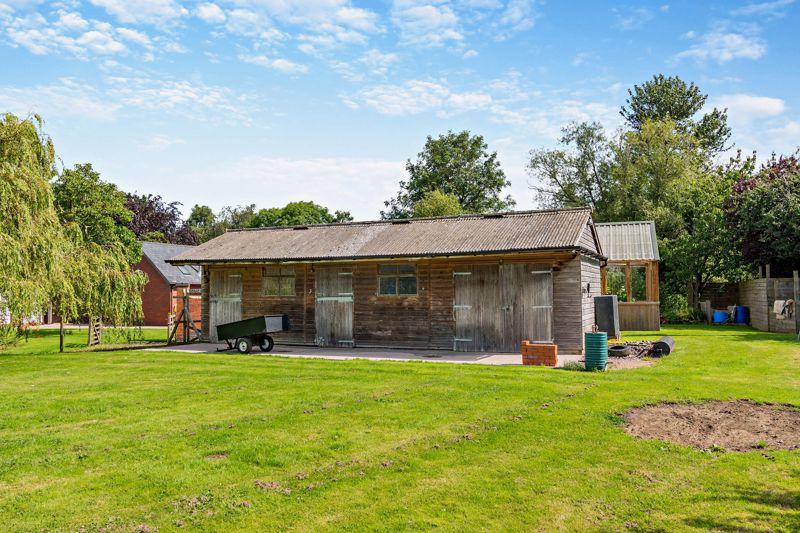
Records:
x=663, y=346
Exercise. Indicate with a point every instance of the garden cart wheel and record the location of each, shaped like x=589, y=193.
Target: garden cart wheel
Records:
x=244, y=345
x=266, y=343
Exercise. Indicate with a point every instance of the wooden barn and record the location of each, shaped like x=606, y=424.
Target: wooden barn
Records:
x=167, y=284
x=631, y=272
x=466, y=283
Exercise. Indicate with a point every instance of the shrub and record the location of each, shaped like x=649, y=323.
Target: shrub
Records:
x=675, y=309
x=9, y=336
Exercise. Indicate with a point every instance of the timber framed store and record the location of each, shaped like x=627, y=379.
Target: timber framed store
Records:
x=466, y=283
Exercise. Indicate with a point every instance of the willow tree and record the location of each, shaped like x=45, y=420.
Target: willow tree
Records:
x=32, y=241
x=47, y=260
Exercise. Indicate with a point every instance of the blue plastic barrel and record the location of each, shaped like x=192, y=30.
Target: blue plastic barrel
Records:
x=596, y=350
x=720, y=317
x=741, y=315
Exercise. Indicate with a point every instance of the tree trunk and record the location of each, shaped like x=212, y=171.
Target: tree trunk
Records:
x=61, y=336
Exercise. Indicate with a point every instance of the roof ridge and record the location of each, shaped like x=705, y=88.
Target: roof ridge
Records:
x=465, y=216
x=625, y=222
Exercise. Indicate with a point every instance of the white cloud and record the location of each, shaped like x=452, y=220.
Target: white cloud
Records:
x=193, y=100
x=469, y=54
x=580, y=58
x=775, y=9
x=519, y=15
x=143, y=11
x=71, y=21
x=134, y=36
x=378, y=62
x=66, y=99
x=211, y=13
x=425, y=24
x=100, y=43
x=282, y=65
x=246, y=22
x=159, y=141
x=357, y=18
x=721, y=46
x=747, y=107
x=633, y=18
x=415, y=96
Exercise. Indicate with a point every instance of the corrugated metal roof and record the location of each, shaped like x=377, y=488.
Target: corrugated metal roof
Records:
x=159, y=252
x=460, y=235
x=628, y=241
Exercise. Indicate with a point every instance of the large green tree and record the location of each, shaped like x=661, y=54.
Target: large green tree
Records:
x=98, y=210
x=155, y=219
x=578, y=172
x=764, y=212
x=437, y=204
x=458, y=164
x=47, y=260
x=297, y=214
x=32, y=243
x=671, y=98
x=701, y=247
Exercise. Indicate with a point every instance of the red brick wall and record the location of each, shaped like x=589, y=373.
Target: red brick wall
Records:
x=194, y=302
x=156, y=296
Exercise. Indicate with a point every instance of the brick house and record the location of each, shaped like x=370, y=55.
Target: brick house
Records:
x=464, y=283
x=167, y=283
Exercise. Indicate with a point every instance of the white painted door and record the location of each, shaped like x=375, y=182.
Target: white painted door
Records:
x=225, y=299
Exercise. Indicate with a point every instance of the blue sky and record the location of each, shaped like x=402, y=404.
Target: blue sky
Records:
x=267, y=101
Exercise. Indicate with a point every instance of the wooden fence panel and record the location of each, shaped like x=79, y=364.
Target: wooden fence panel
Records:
x=639, y=316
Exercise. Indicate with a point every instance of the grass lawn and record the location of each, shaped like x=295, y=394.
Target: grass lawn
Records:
x=135, y=440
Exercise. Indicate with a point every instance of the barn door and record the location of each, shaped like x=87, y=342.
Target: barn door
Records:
x=496, y=307
x=334, y=306
x=476, y=308
x=527, y=303
x=225, y=299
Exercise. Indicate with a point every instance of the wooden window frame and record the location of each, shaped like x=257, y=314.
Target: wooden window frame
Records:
x=283, y=273
x=397, y=276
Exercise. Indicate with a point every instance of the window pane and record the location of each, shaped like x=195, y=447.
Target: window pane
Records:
x=407, y=285
x=287, y=286
x=387, y=269
x=271, y=286
x=638, y=284
x=387, y=286
x=287, y=271
x=615, y=282
x=407, y=269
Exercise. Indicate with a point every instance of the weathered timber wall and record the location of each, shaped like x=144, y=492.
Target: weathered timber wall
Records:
x=590, y=287
x=639, y=316
x=568, y=308
x=421, y=321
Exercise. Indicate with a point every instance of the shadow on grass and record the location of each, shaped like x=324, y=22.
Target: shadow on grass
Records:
x=777, y=509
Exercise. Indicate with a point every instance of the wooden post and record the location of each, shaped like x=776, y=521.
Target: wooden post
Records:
x=769, y=304
x=61, y=336
x=796, y=277
x=628, y=295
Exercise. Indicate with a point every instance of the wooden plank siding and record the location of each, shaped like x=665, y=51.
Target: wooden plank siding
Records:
x=425, y=320
x=567, y=307
x=639, y=316
x=590, y=287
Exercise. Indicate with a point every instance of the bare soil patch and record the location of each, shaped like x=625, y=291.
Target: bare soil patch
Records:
x=739, y=425
x=620, y=363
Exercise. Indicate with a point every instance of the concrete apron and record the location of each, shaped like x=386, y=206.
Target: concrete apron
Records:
x=371, y=354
